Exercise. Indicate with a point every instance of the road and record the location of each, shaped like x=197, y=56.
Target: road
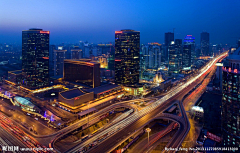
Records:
x=136, y=121
x=9, y=140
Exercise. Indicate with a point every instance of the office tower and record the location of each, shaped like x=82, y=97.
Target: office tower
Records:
x=169, y=37
x=76, y=52
x=151, y=56
x=111, y=57
x=205, y=44
x=82, y=71
x=230, y=101
x=58, y=58
x=190, y=40
x=35, y=58
x=178, y=47
x=174, y=56
x=127, y=50
x=145, y=57
x=51, y=60
x=68, y=47
x=186, y=57
x=154, y=56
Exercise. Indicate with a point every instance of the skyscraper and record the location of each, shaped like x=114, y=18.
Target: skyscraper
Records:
x=169, y=37
x=151, y=56
x=190, y=40
x=186, y=57
x=127, y=52
x=58, y=58
x=178, y=47
x=205, y=44
x=230, y=101
x=35, y=58
x=174, y=56
x=51, y=60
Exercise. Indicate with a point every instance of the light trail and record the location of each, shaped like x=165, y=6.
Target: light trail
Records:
x=136, y=115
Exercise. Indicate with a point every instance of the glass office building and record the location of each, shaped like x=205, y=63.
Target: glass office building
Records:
x=231, y=101
x=127, y=57
x=35, y=58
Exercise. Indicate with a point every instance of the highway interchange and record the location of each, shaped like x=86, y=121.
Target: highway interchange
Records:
x=115, y=133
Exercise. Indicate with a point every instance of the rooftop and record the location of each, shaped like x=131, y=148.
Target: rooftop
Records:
x=72, y=93
x=102, y=88
x=84, y=61
x=235, y=55
x=24, y=101
x=35, y=29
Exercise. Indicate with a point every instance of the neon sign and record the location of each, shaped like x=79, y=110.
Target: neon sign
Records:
x=47, y=32
x=118, y=31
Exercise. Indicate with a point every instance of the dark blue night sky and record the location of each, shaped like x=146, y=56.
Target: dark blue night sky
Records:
x=95, y=21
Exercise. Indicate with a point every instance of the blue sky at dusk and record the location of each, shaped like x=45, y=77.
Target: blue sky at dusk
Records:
x=95, y=21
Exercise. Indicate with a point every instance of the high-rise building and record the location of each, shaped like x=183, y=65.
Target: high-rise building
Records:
x=35, y=58
x=186, y=57
x=127, y=57
x=190, y=40
x=151, y=56
x=111, y=57
x=58, y=59
x=82, y=71
x=205, y=44
x=230, y=101
x=179, y=48
x=76, y=52
x=51, y=60
x=174, y=56
x=169, y=37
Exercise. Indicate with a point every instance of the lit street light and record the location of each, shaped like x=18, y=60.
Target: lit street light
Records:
x=148, y=130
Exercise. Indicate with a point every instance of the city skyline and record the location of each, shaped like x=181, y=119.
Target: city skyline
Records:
x=70, y=22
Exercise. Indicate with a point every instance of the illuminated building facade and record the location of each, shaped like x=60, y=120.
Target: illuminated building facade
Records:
x=75, y=97
x=186, y=57
x=35, y=58
x=127, y=60
x=205, y=44
x=190, y=40
x=15, y=76
x=231, y=101
x=109, y=50
x=25, y=104
x=174, y=59
x=81, y=71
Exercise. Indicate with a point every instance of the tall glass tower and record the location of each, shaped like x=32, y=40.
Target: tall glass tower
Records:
x=127, y=57
x=35, y=58
x=175, y=56
x=190, y=40
x=169, y=37
x=205, y=44
x=231, y=101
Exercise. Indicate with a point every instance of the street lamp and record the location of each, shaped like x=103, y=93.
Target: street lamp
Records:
x=148, y=130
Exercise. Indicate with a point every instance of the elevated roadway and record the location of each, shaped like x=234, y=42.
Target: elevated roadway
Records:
x=135, y=121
